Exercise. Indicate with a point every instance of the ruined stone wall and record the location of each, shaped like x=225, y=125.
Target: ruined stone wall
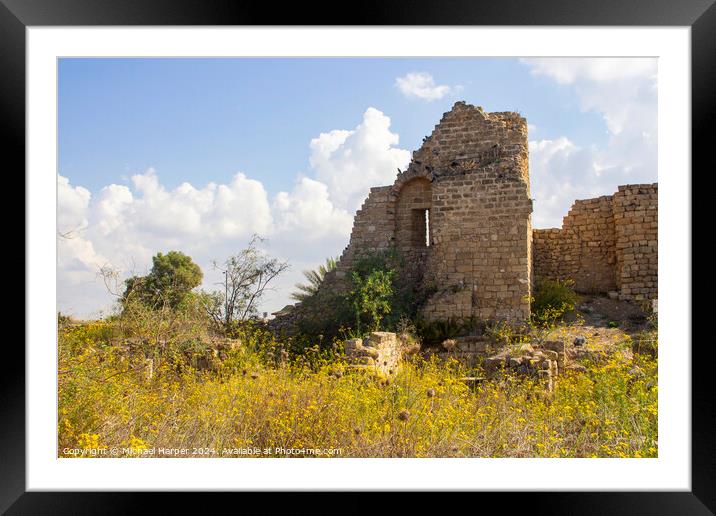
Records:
x=480, y=217
x=412, y=214
x=583, y=250
x=479, y=262
x=605, y=244
x=460, y=216
x=471, y=177
x=373, y=230
x=636, y=221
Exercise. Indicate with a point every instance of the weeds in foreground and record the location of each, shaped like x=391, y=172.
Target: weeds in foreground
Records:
x=315, y=401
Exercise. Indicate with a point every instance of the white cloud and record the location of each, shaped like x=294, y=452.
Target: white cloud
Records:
x=124, y=226
x=624, y=92
x=72, y=205
x=560, y=172
x=76, y=253
x=421, y=85
x=307, y=212
x=351, y=162
x=568, y=70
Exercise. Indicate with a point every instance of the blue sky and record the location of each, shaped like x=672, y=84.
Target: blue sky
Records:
x=197, y=154
x=201, y=120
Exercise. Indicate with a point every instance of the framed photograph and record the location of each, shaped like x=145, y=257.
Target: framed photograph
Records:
x=418, y=250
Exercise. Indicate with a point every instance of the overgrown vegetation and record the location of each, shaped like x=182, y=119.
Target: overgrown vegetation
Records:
x=160, y=373
x=263, y=398
x=433, y=333
x=552, y=299
x=380, y=295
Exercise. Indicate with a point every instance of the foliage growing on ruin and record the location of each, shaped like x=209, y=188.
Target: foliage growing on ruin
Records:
x=433, y=333
x=408, y=293
x=379, y=296
x=552, y=299
x=323, y=315
x=370, y=298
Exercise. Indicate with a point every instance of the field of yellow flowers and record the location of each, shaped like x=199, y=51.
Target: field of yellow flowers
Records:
x=315, y=405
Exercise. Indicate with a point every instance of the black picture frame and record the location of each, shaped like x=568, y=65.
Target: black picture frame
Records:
x=16, y=15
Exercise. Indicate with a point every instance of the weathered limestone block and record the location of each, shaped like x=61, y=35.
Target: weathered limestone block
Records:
x=544, y=361
x=351, y=345
x=469, y=350
x=560, y=348
x=381, y=351
x=382, y=340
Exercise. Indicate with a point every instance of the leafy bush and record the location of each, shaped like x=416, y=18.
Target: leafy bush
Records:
x=552, y=299
x=433, y=333
x=370, y=297
x=378, y=297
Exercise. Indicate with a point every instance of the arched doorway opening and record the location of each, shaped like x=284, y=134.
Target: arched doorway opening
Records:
x=412, y=218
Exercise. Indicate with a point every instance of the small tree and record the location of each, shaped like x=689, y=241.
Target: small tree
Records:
x=172, y=277
x=247, y=276
x=315, y=279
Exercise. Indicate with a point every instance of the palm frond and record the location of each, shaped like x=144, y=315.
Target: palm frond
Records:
x=315, y=279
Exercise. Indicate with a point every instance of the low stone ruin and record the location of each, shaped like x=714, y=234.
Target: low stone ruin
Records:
x=380, y=352
x=470, y=350
x=543, y=361
x=205, y=353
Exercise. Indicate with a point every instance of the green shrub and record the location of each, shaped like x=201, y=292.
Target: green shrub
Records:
x=371, y=296
x=433, y=333
x=552, y=299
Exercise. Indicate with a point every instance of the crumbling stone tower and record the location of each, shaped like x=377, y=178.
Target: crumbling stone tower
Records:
x=460, y=215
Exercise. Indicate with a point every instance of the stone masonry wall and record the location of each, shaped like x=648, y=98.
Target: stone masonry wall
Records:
x=480, y=217
x=373, y=229
x=583, y=250
x=471, y=177
x=460, y=215
x=605, y=244
x=636, y=220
